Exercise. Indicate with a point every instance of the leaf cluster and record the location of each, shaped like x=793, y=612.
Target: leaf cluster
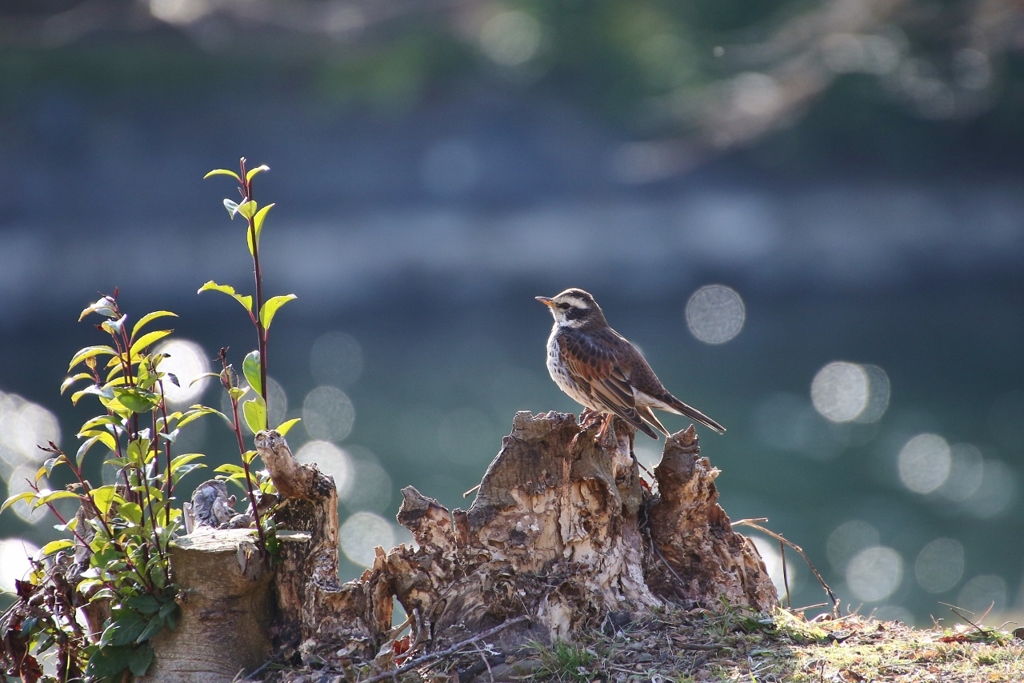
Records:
x=112, y=564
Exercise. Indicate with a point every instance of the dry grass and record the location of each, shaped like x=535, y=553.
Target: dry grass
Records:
x=729, y=646
x=692, y=647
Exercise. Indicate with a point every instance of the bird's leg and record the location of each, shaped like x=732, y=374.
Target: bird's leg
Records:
x=587, y=418
x=604, y=427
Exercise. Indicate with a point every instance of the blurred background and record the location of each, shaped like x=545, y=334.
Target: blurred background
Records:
x=809, y=216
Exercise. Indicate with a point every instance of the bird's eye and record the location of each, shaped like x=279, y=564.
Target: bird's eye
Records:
x=563, y=306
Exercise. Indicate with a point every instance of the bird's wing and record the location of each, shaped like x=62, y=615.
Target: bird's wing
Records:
x=606, y=382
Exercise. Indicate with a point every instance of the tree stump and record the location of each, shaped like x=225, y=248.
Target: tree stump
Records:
x=562, y=536
x=225, y=609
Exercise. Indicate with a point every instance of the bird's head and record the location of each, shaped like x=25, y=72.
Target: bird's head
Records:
x=573, y=308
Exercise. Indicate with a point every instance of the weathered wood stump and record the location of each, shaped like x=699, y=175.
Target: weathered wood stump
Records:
x=225, y=609
x=562, y=535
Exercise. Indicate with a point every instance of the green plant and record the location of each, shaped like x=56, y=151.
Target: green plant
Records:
x=254, y=367
x=113, y=565
x=565, y=661
x=115, y=562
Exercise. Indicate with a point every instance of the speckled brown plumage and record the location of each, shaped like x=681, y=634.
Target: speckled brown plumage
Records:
x=598, y=367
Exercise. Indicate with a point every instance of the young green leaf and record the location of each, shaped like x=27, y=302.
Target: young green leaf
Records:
x=286, y=426
x=251, y=370
x=99, y=421
x=23, y=496
x=147, y=340
x=197, y=411
x=91, y=352
x=130, y=512
x=53, y=546
x=270, y=307
x=46, y=497
x=231, y=468
x=105, y=306
x=255, y=412
x=102, y=392
x=181, y=460
x=232, y=207
x=253, y=171
x=248, y=208
x=103, y=497
x=257, y=227
x=149, y=317
x=84, y=448
x=245, y=300
x=222, y=171
x=68, y=381
x=136, y=400
x=114, y=327
x=105, y=437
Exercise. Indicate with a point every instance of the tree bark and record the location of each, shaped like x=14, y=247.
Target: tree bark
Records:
x=563, y=534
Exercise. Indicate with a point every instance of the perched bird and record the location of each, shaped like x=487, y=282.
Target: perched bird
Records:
x=600, y=369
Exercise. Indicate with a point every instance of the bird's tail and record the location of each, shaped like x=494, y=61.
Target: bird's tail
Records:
x=694, y=414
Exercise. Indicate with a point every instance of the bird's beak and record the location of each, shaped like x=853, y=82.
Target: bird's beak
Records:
x=546, y=300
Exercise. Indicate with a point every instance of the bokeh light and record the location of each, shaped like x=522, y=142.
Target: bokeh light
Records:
x=24, y=426
x=997, y=492
x=839, y=391
x=336, y=358
x=511, y=38
x=329, y=459
x=19, y=483
x=789, y=422
x=924, y=463
x=982, y=593
x=878, y=394
x=14, y=561
x=715, y=314
x=361, y=533
x=371, y=487
x=939, y=565
x=966, y=472
x=874, y=573
x=187, y=362
x=848, y=539
x=179, y=11
x=328, y=413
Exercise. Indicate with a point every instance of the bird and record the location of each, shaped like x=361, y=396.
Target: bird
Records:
x=600, y=369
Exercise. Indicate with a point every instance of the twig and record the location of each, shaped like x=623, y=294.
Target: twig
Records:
x=785, y=575
x=710, y=647
x=419, y=661
x=828, y=591
x=472, y=490
x=955, y=610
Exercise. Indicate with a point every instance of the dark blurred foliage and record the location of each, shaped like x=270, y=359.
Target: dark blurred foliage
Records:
x=696, y=78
